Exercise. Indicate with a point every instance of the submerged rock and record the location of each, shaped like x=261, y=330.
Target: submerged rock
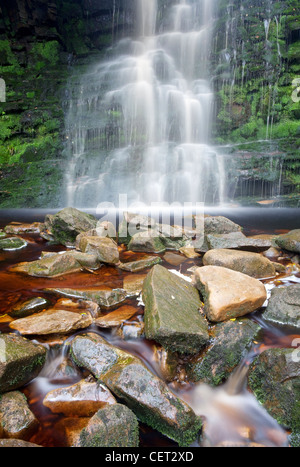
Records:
x=274, y=378
x=252, y=264
x=82, y=399
x=12, y=243
x=112, y=427
x=16, y=419
x=20, y=361
x=27, y=308
x=172, y=315
x=52, y=321
x=67, y=224
x=104, y=297
x=143, y=392
x=289, y=241
x=231, y=343
x=284, y=306
x=228, y=294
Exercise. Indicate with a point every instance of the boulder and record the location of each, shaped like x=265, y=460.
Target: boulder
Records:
x=132, y=382
x=220, y=225
x=133, y=283
x=284, y=306
x=103, y=229
x=289, y=241
x=20, y=361
x=67, y=224
x=147, y=241
x=104, y=248
x=19, y=229
x=228, y=294
x=115, y=426
x=274, y=378
x=231, y=342
x=16, y=419
x=252, y=264
x=52, y=321
x=50, y=266
x=82, y=399
x=133, y=224
x=172, y=315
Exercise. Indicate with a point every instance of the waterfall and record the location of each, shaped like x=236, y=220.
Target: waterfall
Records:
x=140, y=121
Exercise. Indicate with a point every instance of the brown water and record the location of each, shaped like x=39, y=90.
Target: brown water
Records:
x=222, y=407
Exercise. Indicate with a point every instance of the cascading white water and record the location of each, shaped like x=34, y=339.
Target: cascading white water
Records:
x=140, y=125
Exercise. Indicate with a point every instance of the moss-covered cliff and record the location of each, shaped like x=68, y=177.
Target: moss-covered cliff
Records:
x=254, y=68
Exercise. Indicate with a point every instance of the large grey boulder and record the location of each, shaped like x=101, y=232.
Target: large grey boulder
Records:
x=289, y=241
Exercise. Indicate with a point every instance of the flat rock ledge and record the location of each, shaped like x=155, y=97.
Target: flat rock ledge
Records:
x=228, y=294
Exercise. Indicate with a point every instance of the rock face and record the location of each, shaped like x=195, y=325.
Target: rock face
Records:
x=274, y=378
x=290, y=241
x=67, y=224
x=144, y=393
x=112, y=427
x=252, y=264
x=172, y=315
x=82, y=399
x=20, y=361
x=284, y=306
x=16, y=419
x=52, y=322
x=228, y=294
x=231, y=342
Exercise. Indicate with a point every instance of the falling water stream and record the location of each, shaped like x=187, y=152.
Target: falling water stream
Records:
x=140, y=121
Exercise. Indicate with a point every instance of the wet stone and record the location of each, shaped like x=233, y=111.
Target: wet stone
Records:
x=52, y=321
x=17, y=443
x=252, y=264
x=228, y=294
x=20, y=361
x=12, y=243
x=140, y=265
x=237, y=241
x=231, y=342
x=15, y=229
x=104, y=248
x=284, y=306
x=290, y=241
x=133, y=284
x=64, y=226
x=113, y=426
x=82, y=399
x=274, y=378
x=117, y=317
x=50, y=266
x=28, y=307
x=104, y=297
x=148, y=241
x=16, y=419
x=171, y=314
